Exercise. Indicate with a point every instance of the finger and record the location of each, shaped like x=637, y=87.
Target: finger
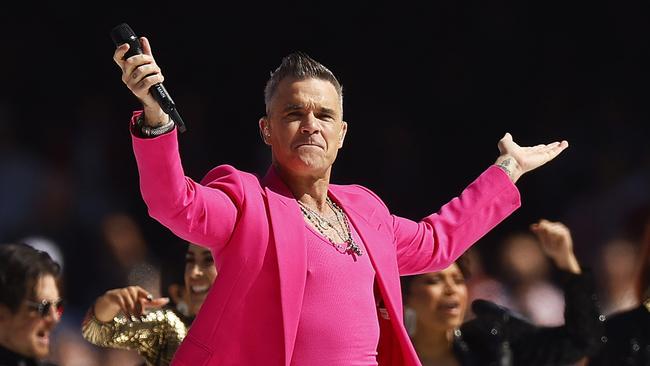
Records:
x=141, y=305
x=132, y=63
x=553, y=150
x=158, y=302
x=123, y=306
x=142, y=293
x=118, y=55
x=506, y=143
x=139, y=296
x=146, y=46
x=130, y=300
x=143, y=71
x=148, y=81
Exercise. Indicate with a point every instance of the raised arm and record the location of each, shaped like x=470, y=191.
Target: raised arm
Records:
x=583, y=322
x=439, y=239
x=194, y=212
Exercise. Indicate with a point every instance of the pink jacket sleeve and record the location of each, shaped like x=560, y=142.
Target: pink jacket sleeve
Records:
x=202, y=214
x=439, y=239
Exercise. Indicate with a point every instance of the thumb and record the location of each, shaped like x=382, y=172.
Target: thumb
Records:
x=146, y=47
x=505, y=143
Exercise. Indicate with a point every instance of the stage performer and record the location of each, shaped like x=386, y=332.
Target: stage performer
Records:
x=309, y=272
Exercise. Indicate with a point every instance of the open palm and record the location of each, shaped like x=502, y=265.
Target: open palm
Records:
x=528, y=158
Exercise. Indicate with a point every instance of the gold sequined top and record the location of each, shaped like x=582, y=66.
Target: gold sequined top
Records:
x=155, y=335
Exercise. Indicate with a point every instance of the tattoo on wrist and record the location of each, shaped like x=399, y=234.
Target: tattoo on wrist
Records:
x=505, y=166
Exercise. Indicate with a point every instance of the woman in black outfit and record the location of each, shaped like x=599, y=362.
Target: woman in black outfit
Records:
x=436, y=303
x=627, y=333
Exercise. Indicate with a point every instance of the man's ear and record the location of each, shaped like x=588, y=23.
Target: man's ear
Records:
x=265, y=130
x=175, y=292
x=344, y=131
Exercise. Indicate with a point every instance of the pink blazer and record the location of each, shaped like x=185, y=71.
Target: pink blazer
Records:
x=255, y=231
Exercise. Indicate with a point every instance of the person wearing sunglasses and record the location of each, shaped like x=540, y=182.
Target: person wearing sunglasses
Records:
x=30, y=304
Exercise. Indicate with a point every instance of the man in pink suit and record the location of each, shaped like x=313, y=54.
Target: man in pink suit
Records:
x=308, y=270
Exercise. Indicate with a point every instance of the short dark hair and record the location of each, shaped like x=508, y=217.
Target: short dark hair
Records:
x=20, y=268
x=298, y=65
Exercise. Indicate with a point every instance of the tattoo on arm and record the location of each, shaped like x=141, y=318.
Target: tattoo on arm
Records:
x=504, y=165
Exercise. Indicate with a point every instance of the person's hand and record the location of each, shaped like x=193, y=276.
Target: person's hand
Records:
x=517, y=160
x=139, y=73
x=132, y=300
x=556, y=241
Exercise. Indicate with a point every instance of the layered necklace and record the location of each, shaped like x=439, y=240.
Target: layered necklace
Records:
x=342, y=229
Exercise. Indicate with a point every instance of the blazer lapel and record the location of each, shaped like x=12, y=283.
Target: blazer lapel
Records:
x=291, y=253
x=380, y=249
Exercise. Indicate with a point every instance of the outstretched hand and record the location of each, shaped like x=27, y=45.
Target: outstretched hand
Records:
x=517, y=160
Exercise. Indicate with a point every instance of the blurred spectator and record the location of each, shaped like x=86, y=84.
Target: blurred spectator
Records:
x=627, y=333
x=130, y=258
x=618, y=263
x=30, y=304
x=526, y=271
x=22, y=177
x=481, y=285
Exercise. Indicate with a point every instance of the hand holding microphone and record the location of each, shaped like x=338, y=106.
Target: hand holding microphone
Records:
x=143, y=77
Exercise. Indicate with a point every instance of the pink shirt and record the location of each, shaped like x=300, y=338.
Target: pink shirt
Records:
x=338, y=322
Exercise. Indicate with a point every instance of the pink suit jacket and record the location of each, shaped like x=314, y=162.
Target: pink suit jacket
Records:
x=255, y=231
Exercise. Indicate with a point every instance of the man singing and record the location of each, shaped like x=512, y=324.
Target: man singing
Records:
x=308, y=270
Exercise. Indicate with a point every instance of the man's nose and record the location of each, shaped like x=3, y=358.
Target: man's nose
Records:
x=309, y=124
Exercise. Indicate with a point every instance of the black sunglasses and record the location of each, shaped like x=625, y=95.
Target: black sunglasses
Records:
x=43, y=307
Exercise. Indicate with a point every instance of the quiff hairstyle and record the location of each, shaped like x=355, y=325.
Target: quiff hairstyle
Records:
x=299, y=66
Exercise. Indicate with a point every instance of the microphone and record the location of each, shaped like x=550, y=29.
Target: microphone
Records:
x=121, y=34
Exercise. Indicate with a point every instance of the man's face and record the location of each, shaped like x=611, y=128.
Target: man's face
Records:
x=304, y=127
x=26, y=332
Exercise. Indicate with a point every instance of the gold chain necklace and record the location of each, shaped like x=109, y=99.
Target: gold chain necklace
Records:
x=322, y=224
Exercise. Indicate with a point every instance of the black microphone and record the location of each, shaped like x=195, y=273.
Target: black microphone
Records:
x=124, y=34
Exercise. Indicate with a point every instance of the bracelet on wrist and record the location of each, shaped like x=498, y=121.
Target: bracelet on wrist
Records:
x=147, y=131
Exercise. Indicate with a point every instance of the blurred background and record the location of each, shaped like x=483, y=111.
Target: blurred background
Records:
x=430, y=88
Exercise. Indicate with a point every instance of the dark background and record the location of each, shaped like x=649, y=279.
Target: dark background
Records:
x=430, y=88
